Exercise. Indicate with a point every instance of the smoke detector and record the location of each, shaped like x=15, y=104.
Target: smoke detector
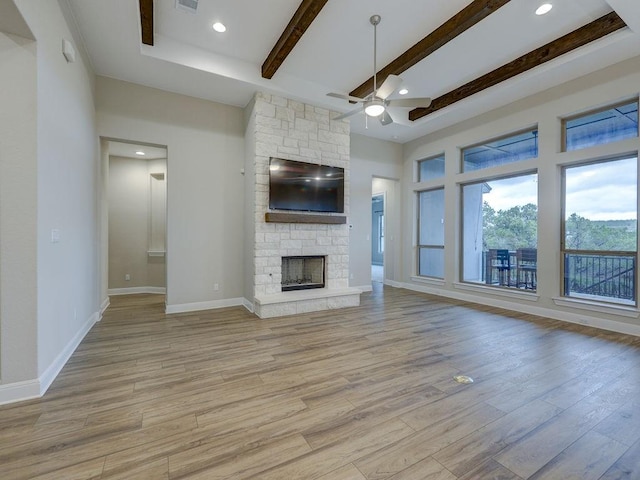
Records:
x=189, y=6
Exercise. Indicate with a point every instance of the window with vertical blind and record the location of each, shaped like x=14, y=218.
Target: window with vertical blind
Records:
x=431, y=168
x=431, y=233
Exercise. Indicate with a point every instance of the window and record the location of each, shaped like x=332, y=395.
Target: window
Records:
x=500, y=232
x=600, y=230
x=601, y=126
x=431, y=168
x=431, y=233
x=504, y=150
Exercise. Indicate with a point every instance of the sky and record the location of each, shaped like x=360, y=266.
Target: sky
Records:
x=600, y=191
x=509, y=192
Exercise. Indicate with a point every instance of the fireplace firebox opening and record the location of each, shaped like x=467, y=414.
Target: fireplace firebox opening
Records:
x=302, y=272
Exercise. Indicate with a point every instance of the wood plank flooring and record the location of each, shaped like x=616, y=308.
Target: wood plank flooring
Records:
x=353, y=394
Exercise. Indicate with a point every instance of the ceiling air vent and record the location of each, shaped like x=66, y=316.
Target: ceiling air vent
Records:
x=189, y=6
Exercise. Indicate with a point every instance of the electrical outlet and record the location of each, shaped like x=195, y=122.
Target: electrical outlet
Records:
x=216, y=287
x=127, y=277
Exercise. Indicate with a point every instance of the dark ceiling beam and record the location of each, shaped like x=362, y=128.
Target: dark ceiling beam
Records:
x=459, y=23
x=146, y=21
x=304, y=16
x=593, y=31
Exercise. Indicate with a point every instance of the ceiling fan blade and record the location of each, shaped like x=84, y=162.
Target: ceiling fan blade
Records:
x=411, y=102
x=391, y=83
x=345, y=97
x=385, y=118
x=348, y=114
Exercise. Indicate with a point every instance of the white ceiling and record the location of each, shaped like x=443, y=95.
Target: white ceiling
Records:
x=336, y=52
x=128, y=150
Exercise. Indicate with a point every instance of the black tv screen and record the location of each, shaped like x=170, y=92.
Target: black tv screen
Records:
x=305, y=186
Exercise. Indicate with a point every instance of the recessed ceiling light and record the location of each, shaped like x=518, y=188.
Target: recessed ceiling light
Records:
x=219, y=27
x=544, y=8
x=141, y=153
x=403, y=91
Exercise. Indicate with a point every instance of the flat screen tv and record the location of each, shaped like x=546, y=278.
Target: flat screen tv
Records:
x=305, y=187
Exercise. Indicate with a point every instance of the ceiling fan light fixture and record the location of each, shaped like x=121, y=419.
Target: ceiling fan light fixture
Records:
x=375, y=104
x=374, y=108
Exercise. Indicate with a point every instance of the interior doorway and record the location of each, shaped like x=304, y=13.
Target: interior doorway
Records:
x=135, y=217
x=377, y=237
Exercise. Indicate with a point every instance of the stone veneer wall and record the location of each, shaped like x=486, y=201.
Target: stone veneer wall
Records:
x=288, y=129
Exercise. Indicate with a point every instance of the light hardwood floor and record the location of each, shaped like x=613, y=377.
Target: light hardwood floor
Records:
x=359, y=393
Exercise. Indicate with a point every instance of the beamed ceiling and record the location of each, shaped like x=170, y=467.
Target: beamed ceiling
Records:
x=468, y=56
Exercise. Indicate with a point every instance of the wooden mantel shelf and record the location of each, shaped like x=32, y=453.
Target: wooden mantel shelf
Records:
x=277, y=217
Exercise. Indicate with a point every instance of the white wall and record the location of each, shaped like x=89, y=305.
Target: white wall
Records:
x=18, y=215
x=67, y=175
x=205, y=198
x=49, y=155
x=371, y=158
x=619, y=82
x=130, y=223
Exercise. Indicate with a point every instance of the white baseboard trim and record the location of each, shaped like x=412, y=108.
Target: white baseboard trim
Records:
x=19, y=391
x=135, y=290
x=533, y=309
x=36, y=388
x=50, y=374
x=103, y=307
x=211, y=305
x=248, y=305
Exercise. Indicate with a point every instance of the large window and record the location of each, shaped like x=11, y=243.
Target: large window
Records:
x=512, y=148
x=601, y=126
x=500, y=232
x=431, y=233
x=600, y=230
x=431, y=168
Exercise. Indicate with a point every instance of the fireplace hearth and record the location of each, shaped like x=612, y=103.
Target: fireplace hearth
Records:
x=302, y=272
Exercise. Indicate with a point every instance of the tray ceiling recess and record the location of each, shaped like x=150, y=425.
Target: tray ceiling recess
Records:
x=595, y=21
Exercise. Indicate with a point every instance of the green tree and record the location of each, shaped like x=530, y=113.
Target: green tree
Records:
x=584, y=234
x=516, y=227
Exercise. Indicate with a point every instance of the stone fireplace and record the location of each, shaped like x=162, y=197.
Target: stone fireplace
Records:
x=302, y=273
x=284, y=128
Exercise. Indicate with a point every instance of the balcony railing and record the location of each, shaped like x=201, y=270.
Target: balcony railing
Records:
x=609, y=276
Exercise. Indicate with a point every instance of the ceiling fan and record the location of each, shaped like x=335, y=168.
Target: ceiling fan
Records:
x=376, y=104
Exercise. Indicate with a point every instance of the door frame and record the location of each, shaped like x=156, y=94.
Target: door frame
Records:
x=103, y=218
